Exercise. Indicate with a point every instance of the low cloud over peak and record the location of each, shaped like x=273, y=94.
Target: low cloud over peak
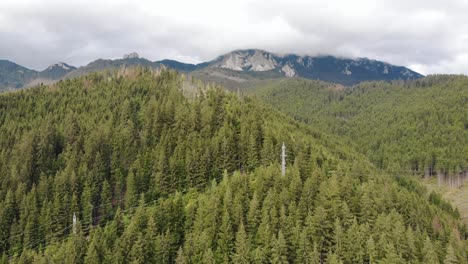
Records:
x=428, y=36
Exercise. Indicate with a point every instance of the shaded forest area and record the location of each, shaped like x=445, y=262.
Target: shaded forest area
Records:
x=415, y=127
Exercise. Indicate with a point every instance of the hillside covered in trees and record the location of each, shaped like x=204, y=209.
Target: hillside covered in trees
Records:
x=160, y=169
x=419, y=125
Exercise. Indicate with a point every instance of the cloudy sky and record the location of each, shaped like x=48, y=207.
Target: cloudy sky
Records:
x=429, y=36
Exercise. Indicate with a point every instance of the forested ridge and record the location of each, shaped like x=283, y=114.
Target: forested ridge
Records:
x=161, y=169
x=419, y=126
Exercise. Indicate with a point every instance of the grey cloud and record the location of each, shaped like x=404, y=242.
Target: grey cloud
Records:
x=429, y=35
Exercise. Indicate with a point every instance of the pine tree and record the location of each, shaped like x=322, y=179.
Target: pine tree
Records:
x=59, y=212
x=93, y=255
x=371, y=250
x=450, y=257
x=119, y=222
x=105, y=207
x=208, y=257
x=339, y=238
x=87, y=206
x=258, y=256
x=131, y=194
x=225, y=239
x=318, y=226
x=391, y=255
x=280, y=250
x=428, y=252
x=242, y=247
x=252, y=153
x=6, y=220
x=355, y=243
x=268, y=153
x=75, y=248
x=139, y=251
x=253, y=215
x=305, y=250
x=409, y=244
x=154, y=242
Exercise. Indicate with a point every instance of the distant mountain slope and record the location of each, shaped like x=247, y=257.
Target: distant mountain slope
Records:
x=327, y=68
x=13, y=76
x=180, y=66
x=233, y=69
x=418, y=125
x=101, y=64
x=56, y=71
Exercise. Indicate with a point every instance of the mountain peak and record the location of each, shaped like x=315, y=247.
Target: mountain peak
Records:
x=342, y=70
x=247, y=60
x=56, y=71
x=132, y=55
x=60, y=65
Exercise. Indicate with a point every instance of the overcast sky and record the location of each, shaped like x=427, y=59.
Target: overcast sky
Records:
x=429, y=36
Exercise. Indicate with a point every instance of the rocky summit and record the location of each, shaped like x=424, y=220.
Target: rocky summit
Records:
x=328, y=68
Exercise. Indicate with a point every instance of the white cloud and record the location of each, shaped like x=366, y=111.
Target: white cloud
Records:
x=428, y=35
x=457, y=65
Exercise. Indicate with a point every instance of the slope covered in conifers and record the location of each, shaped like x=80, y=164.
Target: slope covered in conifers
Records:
x=159, y=169
x=417, y=125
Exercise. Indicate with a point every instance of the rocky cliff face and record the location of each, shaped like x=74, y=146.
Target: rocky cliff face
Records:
x=247, y=60
x=341, y=70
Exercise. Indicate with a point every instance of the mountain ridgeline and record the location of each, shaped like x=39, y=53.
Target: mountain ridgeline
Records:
x=14, y=76
x=417, y=126
x=161, y=169
x=232, y=69
x=265, y=65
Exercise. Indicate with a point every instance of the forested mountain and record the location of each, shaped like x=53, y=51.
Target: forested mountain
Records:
x=232, y=69
x=56, y=71
x=417, y=125
x=161, y=169
x=13, y=76
x=102, y=65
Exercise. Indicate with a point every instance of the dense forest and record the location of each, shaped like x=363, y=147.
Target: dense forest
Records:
x=419, y=126
x=160, y=168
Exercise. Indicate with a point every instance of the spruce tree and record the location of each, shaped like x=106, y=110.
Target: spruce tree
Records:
x=450, y=257
x=242, y=247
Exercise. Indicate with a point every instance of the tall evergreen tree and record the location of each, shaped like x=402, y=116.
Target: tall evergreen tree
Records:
x=242, y=247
